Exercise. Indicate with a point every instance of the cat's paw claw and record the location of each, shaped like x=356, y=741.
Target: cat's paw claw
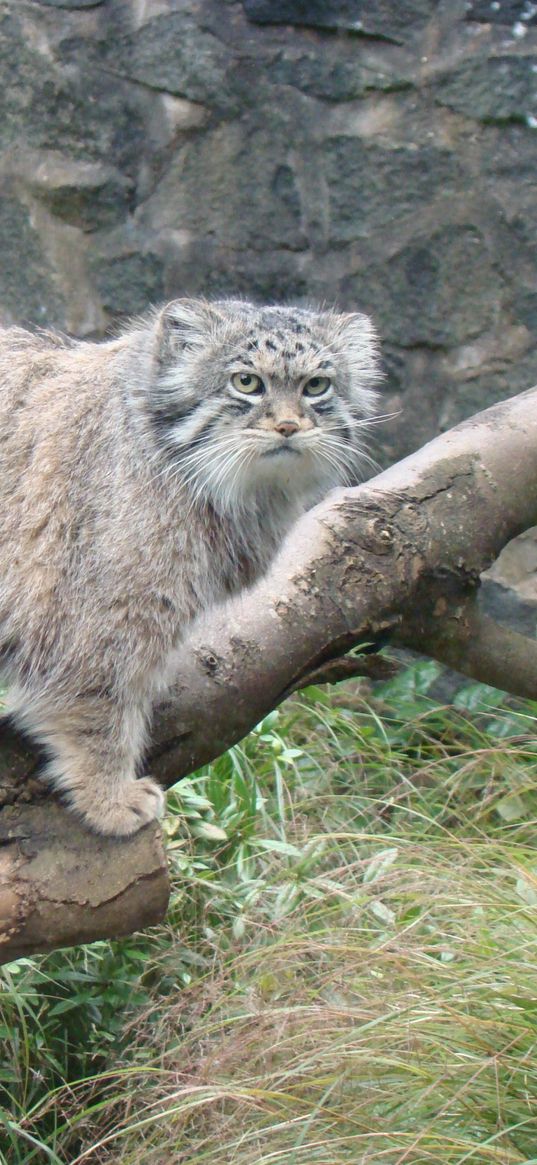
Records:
x=137, y=803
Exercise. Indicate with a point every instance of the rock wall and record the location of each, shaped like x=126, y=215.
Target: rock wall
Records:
x=379, y=153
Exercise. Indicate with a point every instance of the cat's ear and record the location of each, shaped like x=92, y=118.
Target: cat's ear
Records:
x=358, y=333
x=358, y=342
x=183, y=324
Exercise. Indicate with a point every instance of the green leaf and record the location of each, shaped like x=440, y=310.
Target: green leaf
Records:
x=380, y=864
x=511, y=808
x=239, y=927
x=382, y=912
x=527, y=890
x=478, y=698
x=209, y=832
x=279, y=847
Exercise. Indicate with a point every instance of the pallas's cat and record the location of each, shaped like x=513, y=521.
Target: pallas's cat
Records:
x=143, y=479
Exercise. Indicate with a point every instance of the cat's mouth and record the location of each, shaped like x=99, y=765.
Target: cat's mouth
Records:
x=279, y=449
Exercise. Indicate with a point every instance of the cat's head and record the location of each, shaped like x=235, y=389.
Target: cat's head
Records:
x=248, y=400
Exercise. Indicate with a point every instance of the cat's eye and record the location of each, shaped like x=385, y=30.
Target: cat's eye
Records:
x=247, y=382
x=316, y=385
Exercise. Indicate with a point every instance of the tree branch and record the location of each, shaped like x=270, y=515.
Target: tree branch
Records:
x=400, y=556
x=392, y=558
x=466, y=639
x=345, y=667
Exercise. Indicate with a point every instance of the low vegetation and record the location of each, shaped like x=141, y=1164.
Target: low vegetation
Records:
x=347, y=973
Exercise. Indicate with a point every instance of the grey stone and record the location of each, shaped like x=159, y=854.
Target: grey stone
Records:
x=501, y=11
x=525, y=308
x=508, y=151
x=497, y=89
x=505, y=605
x=173, y=54
x=439, y=290
x=509, y=591
x=478, y=392
x=128, y=284
x=370, y=187
x=28, y=289
x=69, y=106
x=232, y=187
x=380, y=18
x=86, y=195
x=71, y=3
x=316, y=13
x=207, y=269
x=334, y=76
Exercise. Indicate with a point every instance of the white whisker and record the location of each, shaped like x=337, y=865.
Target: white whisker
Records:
x=367, y=422
x=186, y=466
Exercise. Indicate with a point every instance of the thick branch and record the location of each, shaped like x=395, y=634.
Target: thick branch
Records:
x=60, y=885
x=466, y=639
x=401, y=554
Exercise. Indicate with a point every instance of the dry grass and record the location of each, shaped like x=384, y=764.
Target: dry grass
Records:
x=388, y=1021
x=350, y=975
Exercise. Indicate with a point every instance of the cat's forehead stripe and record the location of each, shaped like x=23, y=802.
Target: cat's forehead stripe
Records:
x=240, y=357
x=279, y=343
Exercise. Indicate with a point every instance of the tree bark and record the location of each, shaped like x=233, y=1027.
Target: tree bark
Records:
x=399, y=557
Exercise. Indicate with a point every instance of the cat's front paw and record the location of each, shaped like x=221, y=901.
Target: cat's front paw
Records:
x=136, y=804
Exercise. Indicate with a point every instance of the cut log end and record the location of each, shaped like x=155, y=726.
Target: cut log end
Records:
x=60, y=885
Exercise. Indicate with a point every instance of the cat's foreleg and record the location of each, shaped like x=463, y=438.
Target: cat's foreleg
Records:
x=94, y=745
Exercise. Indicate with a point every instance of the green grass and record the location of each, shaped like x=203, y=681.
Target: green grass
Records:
x=348, y=970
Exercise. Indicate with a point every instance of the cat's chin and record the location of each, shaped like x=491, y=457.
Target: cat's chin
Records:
x=288, y=471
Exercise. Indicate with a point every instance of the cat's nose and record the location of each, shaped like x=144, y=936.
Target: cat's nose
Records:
x=287, y=427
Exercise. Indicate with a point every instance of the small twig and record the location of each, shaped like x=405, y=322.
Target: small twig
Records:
x=374, y=667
